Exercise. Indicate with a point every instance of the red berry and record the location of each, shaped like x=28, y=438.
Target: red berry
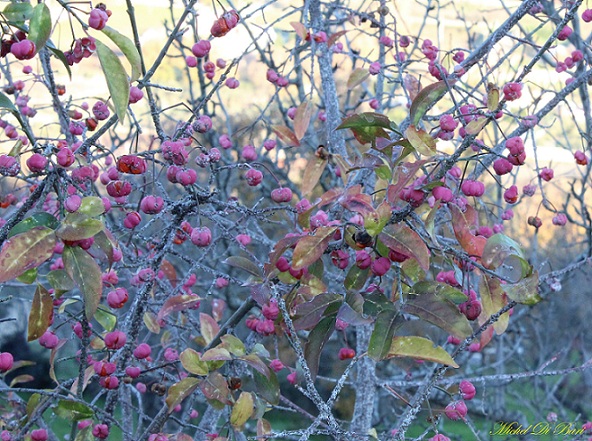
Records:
x=346, y=353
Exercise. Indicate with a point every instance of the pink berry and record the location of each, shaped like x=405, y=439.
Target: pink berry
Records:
x=135, y=94
x=502, y=166
x=564, y=33
x=374, y=68
x=281, y=194
x=225, y=142
x=97, y=19
x=560, y=219
x=100, y=431
x=581, y=158
x=380, y=266
x=152, y=204
x=467, y=390
x=546, y=174
x=473, y=188
x=118, y=189
x=282, y=264
x=276, y=365
x=23, y=50
x=133, y=371
x=6, y=361
x=39, y=435
x=142, y=351
x=115, y=340
x=340, y=258
x=456, y=410
x=201, y=48
x=511, y=195
x=100, y=111
x=346, y=353
x=72, y=203
x=9, y=165
x=512, y=91
x=363, y=259
x=201, y=237
x=104, y=368
x=232, y=83
x=249, y=153
x=271, y=310
x=272, y=76
x=253, y=177
x=132, y=220
x=439, y=437
x=243, y=239
x=117, y=298
x=190, y=61
x=49, y=340
x=37, y=163
x=442, y=193
x=65, y=157
x=448, y=123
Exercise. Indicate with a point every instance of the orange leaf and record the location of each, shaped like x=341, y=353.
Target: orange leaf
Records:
x=300, y=29
x=286, y=135
x=302, y=119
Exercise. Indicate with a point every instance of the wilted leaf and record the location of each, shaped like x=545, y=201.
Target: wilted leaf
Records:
x=73, y=410
x=302, y=119
x=526, y=291
x=317, y=338
x=471, y=244
x=475, y=126
x=169, y=271
x=151, y=322
x=41, y=313
x=421, y=141
x=116, y=77
x=357, y=77
x=300, y=29
x=267, y=388
x=402, y=239
x=41, y=219
x=77, y=226
x=83, y=269
x=242, y=410
x=208, y=327
x=192, y=362
x=440, y=289
x=308, y=314
x=20, y=379
x=311, y=248
x=440, y=312
x=181, y=390
x=25, y=251
x=385, y=326
x=493, y=299
x=128, y=48
x=177, y=303
x=214, y=387
x=493, y=95
x=412, y=85
x=244, y=264
x=40, y=26
x=498, y=248
x=286, y=135
x=312, y=173
x=420, y=348
x=425, y=99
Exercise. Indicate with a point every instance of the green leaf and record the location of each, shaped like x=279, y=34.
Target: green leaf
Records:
x=440, y=312
x=267, y=388
x=234, y=345
x=83, y=269
x=404, y=240
x=117, y=80
x=60, y=56
x=367, y=126
x=385, y=326
x=311, y=248
x=191, y=361
x=73, y=410
x=419, y=348
x=41, y=313
x=244, y=264
x=440, y=289
x=375, y=221
x=317, y=338
x=91, y=206
x=128, y=48
x=106, y=318
x=426, y=98
x=41, y=219
x=60, y=281
x=356, y=278
x=309, y=313
x=28, y=276
x=181, y=390
x=18, y=13
x=493, y=299
x=25, y=251
x=78, y=226
x=216, y=354
x=352, y=310
x=40, y=26
x=526, y=291
x=242, y=410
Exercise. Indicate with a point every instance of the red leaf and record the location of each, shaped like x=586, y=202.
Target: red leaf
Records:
x=177, y=303
x=460, y=223
x=311, y=248
x=404, y=240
